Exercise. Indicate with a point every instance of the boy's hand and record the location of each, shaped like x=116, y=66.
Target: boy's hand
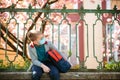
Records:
x=45, y=68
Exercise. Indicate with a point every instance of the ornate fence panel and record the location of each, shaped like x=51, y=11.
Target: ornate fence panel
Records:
x=71, y=34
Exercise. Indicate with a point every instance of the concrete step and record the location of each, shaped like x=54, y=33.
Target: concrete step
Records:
x=64, y=76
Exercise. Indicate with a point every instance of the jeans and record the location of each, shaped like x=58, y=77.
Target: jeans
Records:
x=38, y=71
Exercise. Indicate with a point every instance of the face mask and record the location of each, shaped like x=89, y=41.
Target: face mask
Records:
x=42, y=41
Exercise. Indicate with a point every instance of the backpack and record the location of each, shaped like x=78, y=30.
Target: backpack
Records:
x=62, y=64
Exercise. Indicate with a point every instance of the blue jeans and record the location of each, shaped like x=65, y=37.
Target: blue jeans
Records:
x=38, y=71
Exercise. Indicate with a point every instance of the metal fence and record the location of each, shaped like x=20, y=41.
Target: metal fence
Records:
x=71, y=34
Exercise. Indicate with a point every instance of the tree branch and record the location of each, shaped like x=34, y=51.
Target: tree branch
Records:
x=51, y=2
x=11, y=36
x=10, y=44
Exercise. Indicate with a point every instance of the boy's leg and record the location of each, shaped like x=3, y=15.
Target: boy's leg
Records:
x=36, y=72
x=54, y=72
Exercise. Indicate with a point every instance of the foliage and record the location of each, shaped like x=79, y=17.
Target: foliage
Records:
x=112, y=66
x=15, y=66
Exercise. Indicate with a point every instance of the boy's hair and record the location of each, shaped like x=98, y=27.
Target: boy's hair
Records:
x=33, y=34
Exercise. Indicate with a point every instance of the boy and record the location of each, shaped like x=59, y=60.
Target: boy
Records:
x=37, y=51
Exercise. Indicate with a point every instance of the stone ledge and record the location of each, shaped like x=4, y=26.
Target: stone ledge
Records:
x=64, y=76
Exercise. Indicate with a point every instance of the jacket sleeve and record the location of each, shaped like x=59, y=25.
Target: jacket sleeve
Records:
x=53, y=47
x=33, y=57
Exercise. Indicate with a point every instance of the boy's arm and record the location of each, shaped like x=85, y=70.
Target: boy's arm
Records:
x=34, y=58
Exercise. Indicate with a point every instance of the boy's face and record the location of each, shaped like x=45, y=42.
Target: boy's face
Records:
x=39, y=37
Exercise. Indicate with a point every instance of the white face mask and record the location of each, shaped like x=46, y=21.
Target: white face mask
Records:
x=42, y=41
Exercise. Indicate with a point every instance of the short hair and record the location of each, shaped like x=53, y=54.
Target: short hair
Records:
x=33, y=34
